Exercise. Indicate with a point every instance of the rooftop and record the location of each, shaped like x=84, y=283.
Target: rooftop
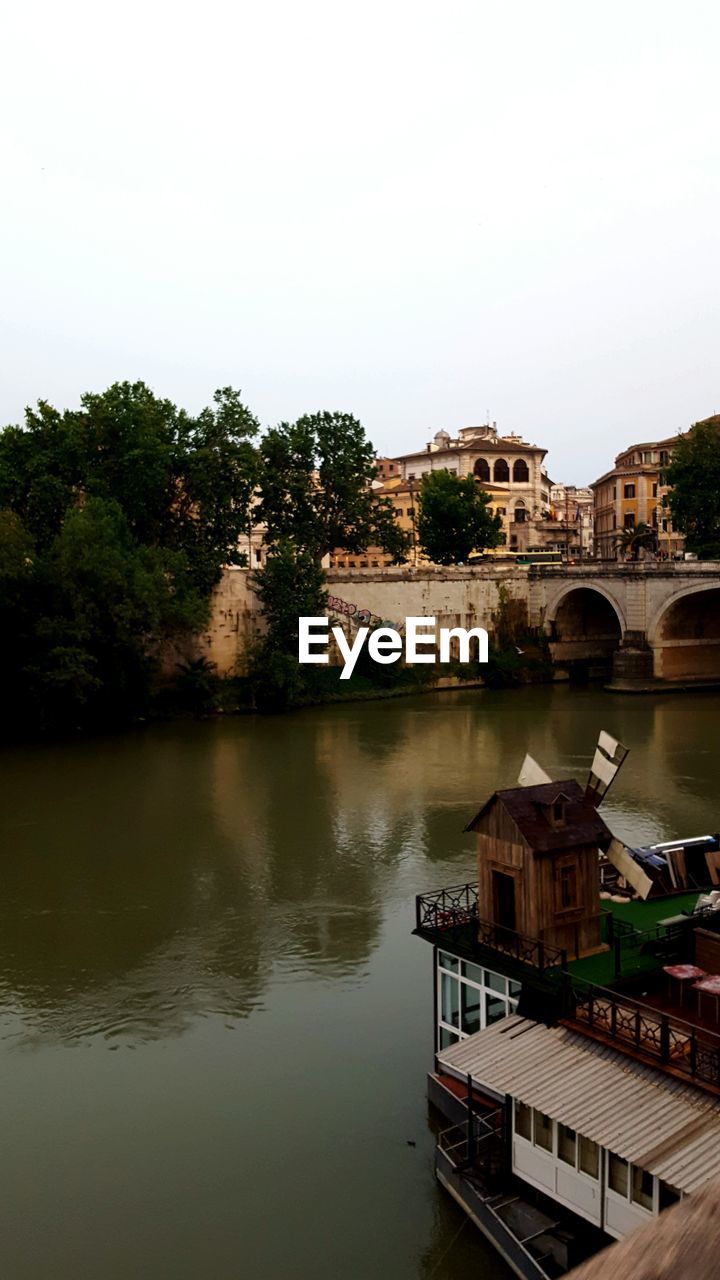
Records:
x=529, y=809
x=664, y=1125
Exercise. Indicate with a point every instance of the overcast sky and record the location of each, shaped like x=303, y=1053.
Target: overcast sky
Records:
x=424, y=214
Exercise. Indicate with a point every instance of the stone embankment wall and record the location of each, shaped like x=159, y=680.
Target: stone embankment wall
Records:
x=454, y=597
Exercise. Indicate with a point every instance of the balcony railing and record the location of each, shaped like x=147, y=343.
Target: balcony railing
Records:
x=456, y=907
x=663, y=1038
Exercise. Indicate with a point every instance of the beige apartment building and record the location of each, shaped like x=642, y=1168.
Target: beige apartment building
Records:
x=509, y=469
x=632, y=493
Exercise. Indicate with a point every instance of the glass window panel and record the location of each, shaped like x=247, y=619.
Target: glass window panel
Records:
x=514, y=988
x=523, y=1120
x=495, y=1009
x=618, y=1175
x=567, y=1143
x=589, y=1161
x=495, y=981
x=473, y=972
x=470, y=1004
x=543, y=1131
x=450, y=1009
x=642, y=1187
x=447, y=1038
x=668, y=1195
x=448, y=961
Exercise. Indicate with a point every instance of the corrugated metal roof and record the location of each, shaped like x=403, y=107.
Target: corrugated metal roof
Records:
x=643, y=1115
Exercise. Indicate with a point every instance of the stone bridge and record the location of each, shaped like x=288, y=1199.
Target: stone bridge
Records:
x=654, y=622
x=645, y=622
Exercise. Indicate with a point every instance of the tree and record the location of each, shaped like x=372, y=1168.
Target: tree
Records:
x=182, y=483
x=635, y=537
x=116, y=520
x=290, y=586
x=694, y=498
x=316, y=488
x=454, y=518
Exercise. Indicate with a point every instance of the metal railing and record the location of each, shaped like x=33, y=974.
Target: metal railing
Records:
x=663, y=1038
x=457, y=906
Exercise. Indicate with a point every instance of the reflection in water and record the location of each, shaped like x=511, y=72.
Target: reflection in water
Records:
x=232, y=901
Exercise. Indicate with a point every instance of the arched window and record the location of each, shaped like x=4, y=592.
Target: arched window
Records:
x=501, y=471
x=520, y=512
x=520, y=471
x=481, y=469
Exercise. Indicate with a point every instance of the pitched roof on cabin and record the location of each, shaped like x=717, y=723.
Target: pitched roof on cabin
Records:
x=528, y=808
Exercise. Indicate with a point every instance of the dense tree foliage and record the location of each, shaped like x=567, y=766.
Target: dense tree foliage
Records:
x=694, y=498
x=316, y=478
x=290, y=586
x=454, y=518
x=115, y=522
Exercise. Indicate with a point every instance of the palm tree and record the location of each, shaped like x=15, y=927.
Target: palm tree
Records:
x=630, y=540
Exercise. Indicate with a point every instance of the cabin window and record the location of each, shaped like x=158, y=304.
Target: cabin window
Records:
x=447, y=1038
x=448, y=962
x=589, y=1161
x=568, y=888
x=618, y=1175
x=523, y=1121
x=542, y=1131
x=642, y=1188
x=567, y=1144
x=473, y=972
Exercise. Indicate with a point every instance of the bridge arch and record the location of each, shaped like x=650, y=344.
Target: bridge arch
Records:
x=685, y=634
x=586, y=626
x=587, y=587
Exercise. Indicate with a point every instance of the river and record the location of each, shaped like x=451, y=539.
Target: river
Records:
x=214, y=1021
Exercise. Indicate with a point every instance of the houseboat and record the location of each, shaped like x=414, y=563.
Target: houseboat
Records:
x=576, y=1080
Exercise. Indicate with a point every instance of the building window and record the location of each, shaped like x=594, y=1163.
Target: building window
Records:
x=618, y=1175
x=654, y=491
x=614, y=492
x=629, y=491
x=589, y=1161
x=501, y=471
x=542, y=1131
x=523, y=1120
x=629, y=521
x=398, y=511
x=521, y=475
x=470, y=997
x=481, y=470
x=567, y=1144
x=667, y=1195
x=642, y=1188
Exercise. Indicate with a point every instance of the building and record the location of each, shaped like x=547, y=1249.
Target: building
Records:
x=577, y=1036
x=572, y=509
x=633, y=493
x=508, y=468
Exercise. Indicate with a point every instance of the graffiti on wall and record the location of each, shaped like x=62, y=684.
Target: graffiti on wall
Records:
x=361, y=617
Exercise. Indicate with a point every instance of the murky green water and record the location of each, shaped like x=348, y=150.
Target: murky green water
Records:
x=214, y=1021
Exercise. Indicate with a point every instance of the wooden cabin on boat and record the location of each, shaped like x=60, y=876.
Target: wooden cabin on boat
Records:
x=537, y=850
